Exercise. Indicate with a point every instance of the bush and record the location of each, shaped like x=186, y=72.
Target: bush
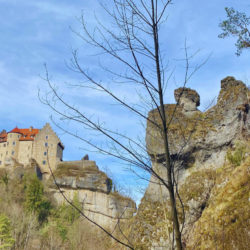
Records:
x=35, y=200
x=67, y=213
x=237, y=155
x=4, y=178
x=6, y=240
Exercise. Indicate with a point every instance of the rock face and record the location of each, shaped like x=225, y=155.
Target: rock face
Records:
x=199, y=143
x=83, y=179
x=82, y=175
x=201, y=139
x=189, y=99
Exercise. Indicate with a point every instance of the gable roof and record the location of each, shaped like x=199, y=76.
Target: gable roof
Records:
x=15, y=130
x=27, y=134
x=3, y=136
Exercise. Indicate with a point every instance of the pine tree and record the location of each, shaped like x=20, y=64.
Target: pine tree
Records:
x=6, y=240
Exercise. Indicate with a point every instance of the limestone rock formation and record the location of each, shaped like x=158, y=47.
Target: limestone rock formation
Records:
x=200, y=146
x=188, y=98
x=82, y=175
x=93, y=189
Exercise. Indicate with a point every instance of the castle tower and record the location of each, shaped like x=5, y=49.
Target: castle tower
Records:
x=12, y=146
x=47, y=149
x=3, y=146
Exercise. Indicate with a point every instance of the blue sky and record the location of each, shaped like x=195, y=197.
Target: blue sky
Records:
x=38, y=32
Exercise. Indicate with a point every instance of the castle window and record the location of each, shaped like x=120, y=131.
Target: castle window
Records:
x=46, y=137
x=13, y=152
x=45, y=153
x=44, y=162
x=0, y=162
x=46, y=144
x=7, y=143
x=10, y=135
x=6, y=152
x=14, y=143
x=4, y=145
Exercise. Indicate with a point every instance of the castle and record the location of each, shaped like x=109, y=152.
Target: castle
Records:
x=21, y=146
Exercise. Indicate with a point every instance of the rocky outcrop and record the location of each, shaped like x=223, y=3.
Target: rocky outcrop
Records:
x=225, y=223
x=200, y=139
x=82, y=175
x=188, y=98
x=93, y=189
x=199, y=143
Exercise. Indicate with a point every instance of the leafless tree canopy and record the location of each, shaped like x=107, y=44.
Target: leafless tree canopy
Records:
x=133, y=42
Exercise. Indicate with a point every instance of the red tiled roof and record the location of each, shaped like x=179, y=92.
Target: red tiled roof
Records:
x=3, y=136
x=27, y=134
x=15, y=130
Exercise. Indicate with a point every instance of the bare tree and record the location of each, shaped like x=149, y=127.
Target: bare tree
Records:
x=134, y=43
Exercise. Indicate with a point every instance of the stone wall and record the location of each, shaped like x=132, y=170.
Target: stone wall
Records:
x=25, y=152
x=2, y=153
x=9, y=149
x=45, y=149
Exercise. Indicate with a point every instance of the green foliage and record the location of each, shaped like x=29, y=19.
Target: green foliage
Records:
x=110, y=184
x=5, y=180
x=237, y=25
x=34, y=194
x=44, y=210
x=68, y=213
x=237, y=155
x=63, y=217
x=6, y=240
x=35, y=200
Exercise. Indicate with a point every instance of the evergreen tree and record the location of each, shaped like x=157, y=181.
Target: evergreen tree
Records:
x=35, y=200
x=238, y=25
x=6, y=240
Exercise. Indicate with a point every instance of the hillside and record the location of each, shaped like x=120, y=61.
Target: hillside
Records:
x=40, y=218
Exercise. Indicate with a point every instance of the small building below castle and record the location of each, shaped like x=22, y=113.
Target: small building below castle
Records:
x=20, y=146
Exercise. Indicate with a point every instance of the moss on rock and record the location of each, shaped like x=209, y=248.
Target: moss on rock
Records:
x=224, y=224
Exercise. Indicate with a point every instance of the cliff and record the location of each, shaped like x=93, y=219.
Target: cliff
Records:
x=210, y=152
x=93, y=189
x=81, y=180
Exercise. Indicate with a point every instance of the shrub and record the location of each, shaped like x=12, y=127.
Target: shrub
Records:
x=35, y=200
x=237, y=155
x=6, y=240
x=4, y=178
x=68, y=213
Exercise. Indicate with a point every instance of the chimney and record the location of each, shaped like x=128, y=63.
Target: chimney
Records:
x=31, y=128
